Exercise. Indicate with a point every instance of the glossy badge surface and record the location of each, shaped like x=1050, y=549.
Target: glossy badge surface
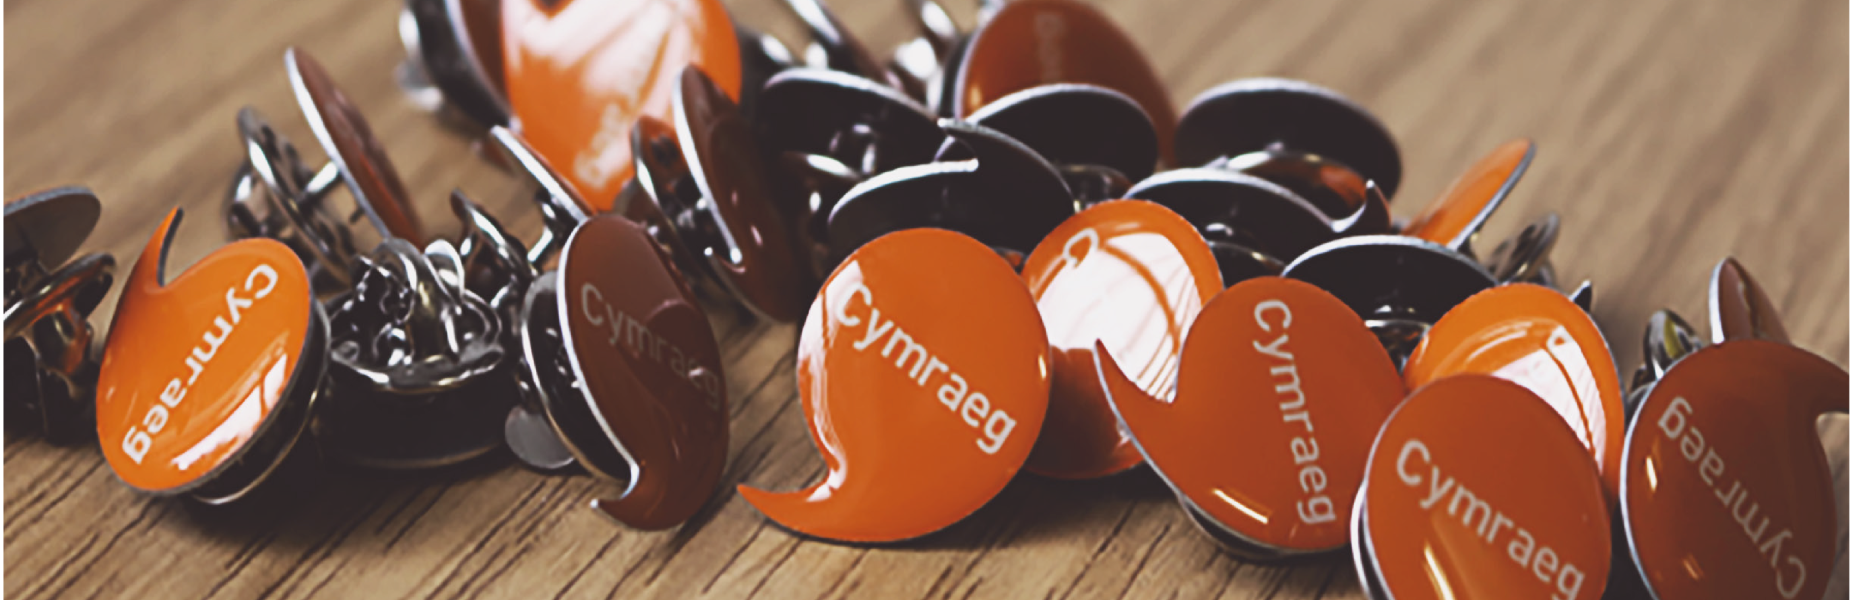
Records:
x=1539, y=338
x=1726, y=490
x=923, y=368
x=196, y=367
x=579, y=72
x=1132, y=275
x=1739, y=308
x=649, y=371
x=1032, y=42
x=1458, y=213
x=1476, y=490
x=1281, y=390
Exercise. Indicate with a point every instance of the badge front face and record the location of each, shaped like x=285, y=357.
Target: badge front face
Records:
x=923, y=367
x=1133, y=275
x=1281, y=391
x=196, y=366
x=1475, y=489
x=579, y=73
x=649, y=367
x=1539, y=338
x=1726, y=491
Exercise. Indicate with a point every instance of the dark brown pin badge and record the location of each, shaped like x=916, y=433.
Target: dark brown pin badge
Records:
x=1099, y=138
x=622, y=374
x=1307, y=138
x=51, y=350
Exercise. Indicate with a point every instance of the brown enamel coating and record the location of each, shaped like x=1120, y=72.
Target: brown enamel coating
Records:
x=1033, y=42
x=351, y=145
x=650, y=368
x=1726, y=490
x=719, y=149
x=1739, y=308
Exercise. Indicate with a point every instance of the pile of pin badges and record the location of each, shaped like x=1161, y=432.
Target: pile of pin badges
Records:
x=1222, y=293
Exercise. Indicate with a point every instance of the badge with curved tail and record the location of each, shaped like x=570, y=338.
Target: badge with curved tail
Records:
x=923, y=367
x=1281, y=390
x=1130, y=274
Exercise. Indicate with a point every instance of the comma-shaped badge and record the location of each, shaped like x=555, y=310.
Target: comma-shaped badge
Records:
x=923, y=367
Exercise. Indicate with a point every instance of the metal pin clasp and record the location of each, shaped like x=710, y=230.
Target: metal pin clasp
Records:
x=51, y=350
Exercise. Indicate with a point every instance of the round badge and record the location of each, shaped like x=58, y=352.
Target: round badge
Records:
x=1281, y=390
x=648, y=374
x=1539, y=338
x=579, y=73
x=1476, y=490
x=1033, y=42
x=1459, y=212
x=1726, y=491
x=923, y=367
x=198, y=368
x=1130, y=274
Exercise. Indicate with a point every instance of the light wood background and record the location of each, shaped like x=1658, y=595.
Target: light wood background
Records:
x=1671, y=134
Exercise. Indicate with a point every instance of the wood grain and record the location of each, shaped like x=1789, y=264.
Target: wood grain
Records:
x=1671, y=134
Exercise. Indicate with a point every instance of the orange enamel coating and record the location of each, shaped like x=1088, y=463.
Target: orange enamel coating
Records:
x=1458, y=213
x=1133, y=275
x=1727, y=492
x=579, y=72
x=1739, y=308
x=1281, y=391
x=194, y=368
x=1033, y=42
x=1539, y=338
x=923, y=371
x=650, y=367
x=1475, y=490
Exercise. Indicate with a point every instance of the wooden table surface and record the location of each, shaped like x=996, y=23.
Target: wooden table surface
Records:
x=1671, y=134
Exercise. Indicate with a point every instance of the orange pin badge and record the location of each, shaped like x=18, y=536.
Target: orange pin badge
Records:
x=1033, y=42
x=51, y=351
x=1131, y=275
x=622, y=374
x=210, y=375
x=1726, y=491
x=1475, y=489
x=1538, y=338
x=1455, y=217
x=924, y=373
x=580, y=72
x=1722, y=464
x=1279, y=392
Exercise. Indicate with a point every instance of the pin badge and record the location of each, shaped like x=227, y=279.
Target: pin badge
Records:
x=1540, y=339
x=51, y=354
x=453, y=62
x=621, y=374
x=924, y=373
x=1399, y=285
x=714, y=194
x=1028, y=43
x=1455, y=217
x=1008, y=196
x=1723, y=470
x=1307, y=138
x=276, y=196
x=1098, y=138
x=1255, y=226
x=576, y=102
x=1131, y=275
x=1279, y=392
x=1474, y=489
x=209, y=378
